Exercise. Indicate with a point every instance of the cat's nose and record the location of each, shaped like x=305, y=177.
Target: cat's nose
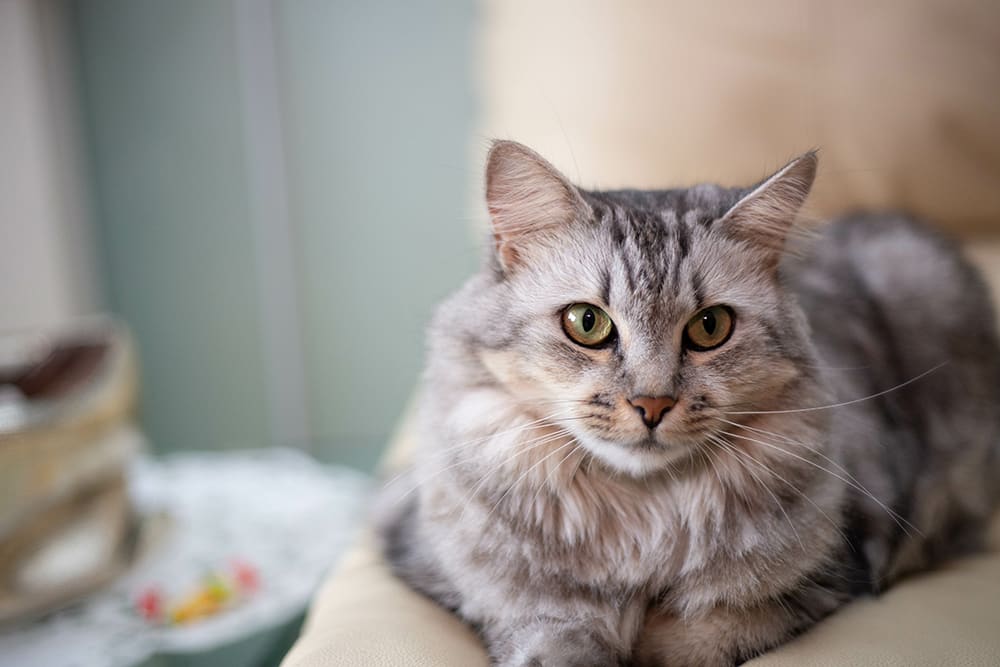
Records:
x=652, y=408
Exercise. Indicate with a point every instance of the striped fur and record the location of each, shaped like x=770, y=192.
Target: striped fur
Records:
x=545, y=513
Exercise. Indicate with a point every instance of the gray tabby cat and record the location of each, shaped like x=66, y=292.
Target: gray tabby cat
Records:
x=652, y=436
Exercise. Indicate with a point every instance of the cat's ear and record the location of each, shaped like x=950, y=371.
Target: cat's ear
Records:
x=528, y=200
x=766, y=215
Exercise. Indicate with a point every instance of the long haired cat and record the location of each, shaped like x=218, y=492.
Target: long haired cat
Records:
x=652, y=435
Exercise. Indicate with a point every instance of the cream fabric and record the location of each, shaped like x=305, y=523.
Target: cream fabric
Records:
x=901, y=96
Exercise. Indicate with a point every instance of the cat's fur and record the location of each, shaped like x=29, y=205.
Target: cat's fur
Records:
x=549, y=517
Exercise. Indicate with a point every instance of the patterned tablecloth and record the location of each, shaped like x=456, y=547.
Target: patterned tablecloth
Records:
x=278, y=510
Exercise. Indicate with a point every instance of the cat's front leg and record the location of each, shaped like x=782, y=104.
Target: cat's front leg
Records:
x=726, y=636
x=721, y=638
x=552, y=642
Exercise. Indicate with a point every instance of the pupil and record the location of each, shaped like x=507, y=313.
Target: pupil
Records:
x=589, y=320
x=708, y=323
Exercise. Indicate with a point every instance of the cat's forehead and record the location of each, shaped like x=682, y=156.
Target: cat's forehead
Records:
x=704, y=202
x=653, y=247
x=652, y=255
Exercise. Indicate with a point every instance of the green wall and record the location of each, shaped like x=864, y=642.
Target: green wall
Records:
x=374, y=115
x=379, y=119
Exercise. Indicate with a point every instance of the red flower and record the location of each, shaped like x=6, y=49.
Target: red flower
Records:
x=149, y=604
x=246, y=575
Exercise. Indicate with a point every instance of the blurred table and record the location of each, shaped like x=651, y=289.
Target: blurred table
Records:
x=278, y=510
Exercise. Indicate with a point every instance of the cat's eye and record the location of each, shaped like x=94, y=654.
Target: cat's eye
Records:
x=709, y=329
x=587, y=325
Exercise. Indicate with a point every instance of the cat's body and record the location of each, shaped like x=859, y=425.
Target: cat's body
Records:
x=570, y=525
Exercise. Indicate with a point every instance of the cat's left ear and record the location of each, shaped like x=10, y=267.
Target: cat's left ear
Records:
x=529, y=201
x=766, y=215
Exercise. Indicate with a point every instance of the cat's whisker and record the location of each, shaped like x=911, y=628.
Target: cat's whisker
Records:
x=852, y=482
x=522, y=448
x=785, y=438
x=552, y=472
x=706, y=454
x=579, y=462
x=521, y=451
x=565, y=403
x=845, y=403
x=544, y=422
x=736, y=450
x=536, y=401
x=533, y=425
x=528, y=472
x=900, y=521
x=770, y=492
x=733, y=488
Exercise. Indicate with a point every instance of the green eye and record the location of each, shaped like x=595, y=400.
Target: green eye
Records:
x=709, y=329
x=587, y=325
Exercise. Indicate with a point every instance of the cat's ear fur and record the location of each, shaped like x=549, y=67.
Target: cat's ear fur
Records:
x=528, y=200
x=766, y=215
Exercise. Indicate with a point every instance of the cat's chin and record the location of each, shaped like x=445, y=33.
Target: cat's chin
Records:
x=636, y=459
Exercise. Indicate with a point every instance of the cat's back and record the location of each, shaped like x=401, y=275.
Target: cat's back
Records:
x=899, y=315
x=890, y=291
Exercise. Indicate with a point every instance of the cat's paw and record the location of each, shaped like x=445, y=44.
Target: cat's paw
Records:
x=560, y=660
x=549, y=651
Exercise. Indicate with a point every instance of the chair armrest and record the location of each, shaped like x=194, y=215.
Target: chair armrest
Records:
x=364, y=616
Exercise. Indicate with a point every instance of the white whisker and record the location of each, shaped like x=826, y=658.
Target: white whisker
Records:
x=814, y=450
x=548, y=477
x=520, y=447
x=840, y=405
x=900, y=520
x=527, y=472
x=537, y=423
x=561, y=433
x=733, y=448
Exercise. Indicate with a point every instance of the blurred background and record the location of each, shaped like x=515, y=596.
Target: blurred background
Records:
x=271, y=195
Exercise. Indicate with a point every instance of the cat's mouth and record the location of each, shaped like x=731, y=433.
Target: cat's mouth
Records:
x=640, y=457
x=647, y=444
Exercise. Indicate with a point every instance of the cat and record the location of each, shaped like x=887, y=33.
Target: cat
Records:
x=668, y=428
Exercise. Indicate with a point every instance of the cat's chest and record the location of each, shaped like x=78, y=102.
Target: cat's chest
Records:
x=640, y=535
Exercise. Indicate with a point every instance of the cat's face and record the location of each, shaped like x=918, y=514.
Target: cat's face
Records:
x=637, y=320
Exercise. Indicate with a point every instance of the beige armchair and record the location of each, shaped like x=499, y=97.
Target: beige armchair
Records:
x=902, y=99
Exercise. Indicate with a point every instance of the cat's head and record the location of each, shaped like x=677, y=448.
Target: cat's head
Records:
x=635, y=319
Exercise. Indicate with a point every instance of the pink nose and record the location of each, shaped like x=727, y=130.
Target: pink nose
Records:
x=652, y=408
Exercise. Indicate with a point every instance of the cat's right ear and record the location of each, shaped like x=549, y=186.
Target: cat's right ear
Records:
x=528, y=200
x=766, y=215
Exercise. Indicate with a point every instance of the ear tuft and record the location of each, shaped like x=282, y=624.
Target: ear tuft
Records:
x=527, y=197
x=766, y=215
